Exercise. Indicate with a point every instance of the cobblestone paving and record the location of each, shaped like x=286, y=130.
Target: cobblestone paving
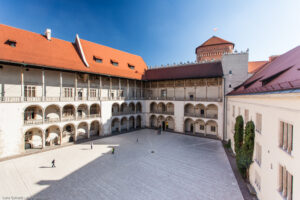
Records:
x=159, y=167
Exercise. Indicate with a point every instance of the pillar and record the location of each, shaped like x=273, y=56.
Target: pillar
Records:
x=110, y=87
x=88, y=131
x=43, y=85
x=119, y=126
x=43, y=140
x=22, y=84
x=128, y=125
x=128, y=89
x=60, y=84
x=100, y=86
x=75, y=88
x=89, y=86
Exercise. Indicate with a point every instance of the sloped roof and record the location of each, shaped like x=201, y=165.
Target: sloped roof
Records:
x=199, y=70
x=283, y=73
x=254, y=66
x=35, y=49
x=214, y=40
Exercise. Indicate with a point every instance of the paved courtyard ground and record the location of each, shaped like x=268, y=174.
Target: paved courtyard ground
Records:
x=181, y=167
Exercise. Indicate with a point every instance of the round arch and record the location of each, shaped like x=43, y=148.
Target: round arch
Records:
x=95, y=110
x=212, y=111
x=52, y=135
x=138, y=121
x=131, y=123
x=82, y=111
x=138, y=107
x=33, y=138
x=188, y=125
x=95, y=128
x=170, y=108
x=52, y=113
x=199, y=126
x=68, y=133
x=115, y=109
x=153, y=107
x=115, y=125
x=33, y=114
x=189, y=109
x=170, y=123
x=82, y=131
x=200, y=110
x=153, y=121
x=68, y=112
x=211, y=127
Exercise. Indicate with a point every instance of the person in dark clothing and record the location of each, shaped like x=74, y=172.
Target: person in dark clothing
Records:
x=91, y=145
x=53, y=163
x=137, y=140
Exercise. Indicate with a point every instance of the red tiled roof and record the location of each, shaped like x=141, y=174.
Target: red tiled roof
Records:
x=254, y=66
x=283, y=73
x=200, y=70
x=214, y=40
x=35, y=49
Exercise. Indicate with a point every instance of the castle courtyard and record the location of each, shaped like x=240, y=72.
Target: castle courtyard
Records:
x=167, y=166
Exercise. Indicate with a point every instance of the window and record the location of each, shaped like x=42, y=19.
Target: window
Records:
x=69, y=92
x=114, y=63
x=233, y=111
x=202, y=111
x=202, y=127
x=258, y=153
x=93, y=93
x=131, y=66
x=257, y=180
x=258, y=122
x=163, y=93
x=286, y=137
x=29, y=91
x=229, y=85
x=98, y=60
x=246, y=116
x=11, y=43
x=213, y=129
x=191, y=96
x=230, y=72
x=285, y=183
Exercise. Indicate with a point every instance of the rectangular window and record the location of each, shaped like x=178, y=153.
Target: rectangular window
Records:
x=131, y=66
x=93, y=93
x=258, y=153
x=286, y=137
x=98, y=60
x=285, y=183
x=258, y=124
x=68, y=92
x=114, y=63
x=213, y=129
x=29, y=91
x=246, y=116
x=257, y=180
x=233, y=111
x=163, y=93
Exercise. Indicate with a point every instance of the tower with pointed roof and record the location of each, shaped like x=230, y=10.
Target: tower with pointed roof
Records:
x=213, y=49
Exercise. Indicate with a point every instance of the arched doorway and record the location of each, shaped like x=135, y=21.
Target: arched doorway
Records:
x=68, y=112
x=95, y=110
x=82, y=131
x=189, y=125
x=115, y=125
x=34, y=138
x=52, y=136
x=82, y=111
x=124, y=123
x=68, y=134
x=153, y=121
x=95, y=129
x=131, y=123
x=138, y=107
x=52, y=113
x=115, y=109
x=153, y=107
x=170, y=124
x=138, y=122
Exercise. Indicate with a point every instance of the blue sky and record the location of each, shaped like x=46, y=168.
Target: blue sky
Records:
x=163, y=31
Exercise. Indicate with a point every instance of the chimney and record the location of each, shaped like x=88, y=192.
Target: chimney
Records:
x=48, y=33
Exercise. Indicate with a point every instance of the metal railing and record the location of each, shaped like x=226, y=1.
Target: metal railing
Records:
x=208, y=116
x=184, y=99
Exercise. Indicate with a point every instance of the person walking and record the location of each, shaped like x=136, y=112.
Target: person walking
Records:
x=53, y=163
x=91, y=145
x=113, y=150
x=137, y=140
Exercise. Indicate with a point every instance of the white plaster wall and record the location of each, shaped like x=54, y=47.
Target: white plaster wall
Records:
x=274, y=108
x=10, y=80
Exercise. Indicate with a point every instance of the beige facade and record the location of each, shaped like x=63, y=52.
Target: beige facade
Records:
x=275, y=171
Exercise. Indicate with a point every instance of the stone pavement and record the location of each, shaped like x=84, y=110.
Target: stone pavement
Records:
x=163, y=167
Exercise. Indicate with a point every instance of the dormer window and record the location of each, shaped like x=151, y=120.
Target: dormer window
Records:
x=114, y=63
x=97, y=60
x=131, y=66
x=11, y=43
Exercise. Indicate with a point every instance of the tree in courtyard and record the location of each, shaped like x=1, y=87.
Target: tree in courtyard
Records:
x=238, y=133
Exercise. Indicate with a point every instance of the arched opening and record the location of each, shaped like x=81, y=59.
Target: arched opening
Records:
x=124, y=108
x=82, y=111
x=153, y=121
x=68, y=112
x=33, y=115
x=189, y=125
x=131, y=123
x=95, y=128
x=212, y=111
x=124, y=123
x=211, y=127
x=52, y=113
x=153, y=107
x=34, y=138
x=170, y=108
x=189, y=110
x=95, y=110
x=115, y=125
x=131, y=108
x=161, y=122
x=138, y=107
x=68, y=134
x=138, y=122
x=115, y=109
x=161, y=107
x=82, y=131
x=200, y=126
x=170, y=124
x=52, y=136
x=200, y=110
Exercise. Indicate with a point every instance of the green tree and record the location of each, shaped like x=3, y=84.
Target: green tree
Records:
x=238, y=133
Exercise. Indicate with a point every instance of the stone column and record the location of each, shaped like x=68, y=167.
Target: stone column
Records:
x=43, y=139
x=60, y=84
x=135, y=89
x=119, y=126
x=110, y=87
x=128, y=89
x=75, y=88
x=88, y=130
x=100, y=87
x=43, y=85
x=128, y=125
x=89, y=87
x=22, y=84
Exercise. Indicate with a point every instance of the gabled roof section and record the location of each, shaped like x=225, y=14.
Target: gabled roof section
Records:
x=283, y=73
x=35, y=49
x=254, y=66
x=199, y=70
